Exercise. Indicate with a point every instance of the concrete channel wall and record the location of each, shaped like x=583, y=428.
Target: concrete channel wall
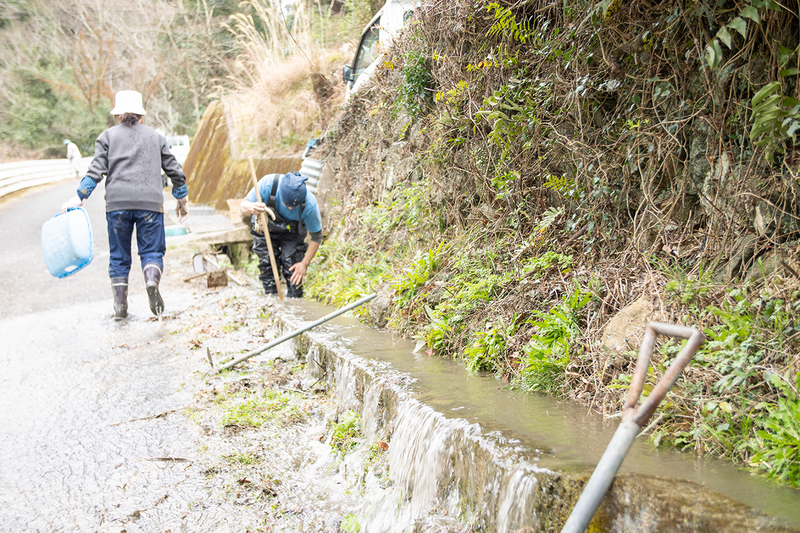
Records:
x=487, y=482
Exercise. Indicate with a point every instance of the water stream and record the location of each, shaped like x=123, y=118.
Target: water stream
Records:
x=465, y=445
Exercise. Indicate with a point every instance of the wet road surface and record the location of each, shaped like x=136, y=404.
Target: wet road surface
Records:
x=91, y=433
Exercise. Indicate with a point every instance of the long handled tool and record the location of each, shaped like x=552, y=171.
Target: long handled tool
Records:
x=297, y=332
x=266, y=232
x=633, y=418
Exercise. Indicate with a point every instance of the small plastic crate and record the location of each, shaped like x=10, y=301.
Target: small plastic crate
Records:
x=67, y=242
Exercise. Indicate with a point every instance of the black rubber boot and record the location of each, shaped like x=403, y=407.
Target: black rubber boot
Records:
x=152, y=277
x=293, y=291
x=119, y=288
x=293, y=250
x=264, y=266
x=269, y=285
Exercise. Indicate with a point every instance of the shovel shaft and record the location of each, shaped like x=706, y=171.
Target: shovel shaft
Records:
x=266, y=231
x=297, y=332
x=601, y=478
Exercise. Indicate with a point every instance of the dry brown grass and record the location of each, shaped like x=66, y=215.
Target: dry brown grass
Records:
x=286, y=87
x=290, y=103
x=10, y=153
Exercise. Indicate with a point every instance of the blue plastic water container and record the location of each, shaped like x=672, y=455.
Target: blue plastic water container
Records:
x=175, y=231
x=67, y=242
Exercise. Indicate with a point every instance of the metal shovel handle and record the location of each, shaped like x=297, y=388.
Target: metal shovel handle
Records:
x=633, y=418
x=297, y=332
x=696, y=339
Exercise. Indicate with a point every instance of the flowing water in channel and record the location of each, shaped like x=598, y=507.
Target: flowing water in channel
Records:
x=452, y=423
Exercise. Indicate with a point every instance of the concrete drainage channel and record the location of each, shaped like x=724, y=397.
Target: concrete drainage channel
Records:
x=467, y=455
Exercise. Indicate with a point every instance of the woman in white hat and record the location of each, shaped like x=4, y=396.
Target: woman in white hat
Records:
x=130, y=156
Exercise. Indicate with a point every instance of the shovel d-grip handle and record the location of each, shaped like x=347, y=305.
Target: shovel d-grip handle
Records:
x=642, y=414
x=634, y=417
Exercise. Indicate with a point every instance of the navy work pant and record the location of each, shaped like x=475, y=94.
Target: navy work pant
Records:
x=150, y=239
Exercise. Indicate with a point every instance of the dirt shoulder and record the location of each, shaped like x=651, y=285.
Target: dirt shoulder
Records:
x=262, y=430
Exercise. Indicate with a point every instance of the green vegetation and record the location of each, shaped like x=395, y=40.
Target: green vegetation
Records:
x=414, y=92
x=247, y=459
x=351, y=280
x=248, y=408
x=557, y=334
x=745, y=410
x=350, y=524
x=42, y=116
x=565, y=160
x=776, y=447
x=346, y=433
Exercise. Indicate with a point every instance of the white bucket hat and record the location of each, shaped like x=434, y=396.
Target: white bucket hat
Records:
x=128, y=102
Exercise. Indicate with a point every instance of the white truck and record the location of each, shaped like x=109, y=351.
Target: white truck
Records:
x=179, y=147
x=375, y=39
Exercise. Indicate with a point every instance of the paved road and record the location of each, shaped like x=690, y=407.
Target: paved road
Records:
x=25, y=284
x=79, y=449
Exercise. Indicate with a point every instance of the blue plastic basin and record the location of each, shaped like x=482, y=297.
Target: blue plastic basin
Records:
x=67, y=242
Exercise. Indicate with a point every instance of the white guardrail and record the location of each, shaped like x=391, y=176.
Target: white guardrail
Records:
x=23, y=174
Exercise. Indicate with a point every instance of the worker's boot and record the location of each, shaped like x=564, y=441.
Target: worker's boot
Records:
x=152, y=277
x=119, y=288
x=294, y=291
x=269, y=285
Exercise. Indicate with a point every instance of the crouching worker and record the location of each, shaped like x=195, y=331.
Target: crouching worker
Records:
x=130, y=157
x=292, y=212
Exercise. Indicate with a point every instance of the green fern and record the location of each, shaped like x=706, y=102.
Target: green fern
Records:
x=776, y=118
x=505, y=24
x=548, y=217
x=559, y=183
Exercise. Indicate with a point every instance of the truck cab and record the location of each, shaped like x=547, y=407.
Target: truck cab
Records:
x=179, y=146
x=375, y=39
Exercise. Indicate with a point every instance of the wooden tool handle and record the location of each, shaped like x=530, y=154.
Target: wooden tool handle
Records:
x=266, y=231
